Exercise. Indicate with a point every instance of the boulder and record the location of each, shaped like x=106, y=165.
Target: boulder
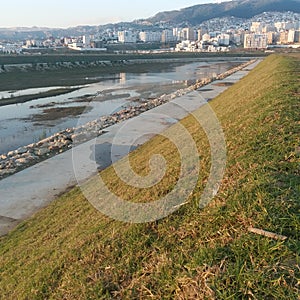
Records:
x=21, y=161
x=41, y=151
x=11, y=153
x=21, y=150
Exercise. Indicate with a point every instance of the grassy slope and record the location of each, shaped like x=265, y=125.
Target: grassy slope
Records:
x=71, y=251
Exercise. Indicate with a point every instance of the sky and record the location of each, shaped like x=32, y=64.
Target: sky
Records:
x=69, y=13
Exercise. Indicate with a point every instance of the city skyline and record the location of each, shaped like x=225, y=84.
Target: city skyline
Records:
x=67, y=13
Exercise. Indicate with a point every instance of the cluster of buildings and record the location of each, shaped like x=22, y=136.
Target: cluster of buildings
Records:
x=74, y=43
x=221, y=34
x=11, y=48
x=263, y=35
x=267, y=30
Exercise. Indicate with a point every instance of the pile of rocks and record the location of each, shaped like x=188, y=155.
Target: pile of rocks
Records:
x=26, y=156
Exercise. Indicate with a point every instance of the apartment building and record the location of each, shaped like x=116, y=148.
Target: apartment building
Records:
x=188, y=34
x=255, y=41
x=150, y=37
x=127, y=36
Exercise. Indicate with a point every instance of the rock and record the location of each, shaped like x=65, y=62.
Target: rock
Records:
x=42, y=151
x=53, y=148
x=21, y=150
x=21, y=161
x=11, y=153
x=26, y=155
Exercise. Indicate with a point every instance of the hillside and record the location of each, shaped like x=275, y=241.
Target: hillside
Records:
x=70, y=251
x=237, y=8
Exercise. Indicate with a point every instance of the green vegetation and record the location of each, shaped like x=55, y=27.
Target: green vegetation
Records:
x=26, y=98
x=70, y=251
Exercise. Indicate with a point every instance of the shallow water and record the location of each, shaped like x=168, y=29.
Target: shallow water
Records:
x=17, y=125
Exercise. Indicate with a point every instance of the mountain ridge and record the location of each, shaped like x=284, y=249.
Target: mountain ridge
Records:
x=197, y=14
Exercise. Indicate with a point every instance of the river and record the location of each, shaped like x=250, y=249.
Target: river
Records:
x=23, y=124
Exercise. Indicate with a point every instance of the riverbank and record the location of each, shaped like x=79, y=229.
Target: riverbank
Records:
x=69, y=250
x=23, y=157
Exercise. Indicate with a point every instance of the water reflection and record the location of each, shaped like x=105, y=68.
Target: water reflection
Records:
x=122, y=78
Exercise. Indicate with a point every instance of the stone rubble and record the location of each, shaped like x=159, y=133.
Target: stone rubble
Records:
x=26, y=156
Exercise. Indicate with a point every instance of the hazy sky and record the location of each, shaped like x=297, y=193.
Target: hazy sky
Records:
x=66, y=13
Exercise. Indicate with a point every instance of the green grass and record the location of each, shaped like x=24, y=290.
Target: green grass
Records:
x=70, y=251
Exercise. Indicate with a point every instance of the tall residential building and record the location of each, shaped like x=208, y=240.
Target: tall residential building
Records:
x=271, y=38
x=255, y=41
x=223, y=39
x=237, y=39
x=86, y=40
x=284, y=37
x=297, y=36
x=188, y=34
x=291, y=36
x=256, y=27
x=147, y=36
x=127, y=36
x=199, y=36
x=168, y=36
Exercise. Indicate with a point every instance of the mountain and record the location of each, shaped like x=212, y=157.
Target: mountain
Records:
x=197, y=14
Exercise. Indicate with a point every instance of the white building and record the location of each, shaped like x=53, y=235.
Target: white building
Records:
x=256, y=27
x=186, y=46
x=33, y=43
x=188, y=34
x=86, y=40
x=291, y=36
x=286, y=25
x=150, y=37
x=255, y=41
x=127, y=36
x=237, y=39
x=206, y=37
x=75, y=46
x=168, y=36
x=223, y=39
x=11, y=48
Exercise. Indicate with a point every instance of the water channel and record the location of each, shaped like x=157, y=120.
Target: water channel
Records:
x=25, y=123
